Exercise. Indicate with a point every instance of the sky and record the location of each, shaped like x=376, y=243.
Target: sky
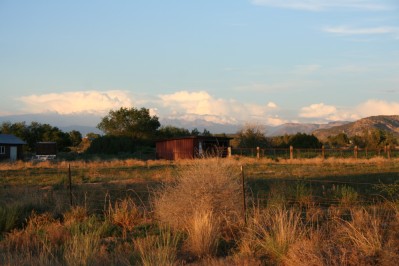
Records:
x=226, y=61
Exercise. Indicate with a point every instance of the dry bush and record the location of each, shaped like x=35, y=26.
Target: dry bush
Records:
x=210, y=186
x=75, y=215
x=126, y=214
x=306, y=251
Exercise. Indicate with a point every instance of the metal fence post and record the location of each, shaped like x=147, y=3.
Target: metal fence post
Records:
x=70, y=184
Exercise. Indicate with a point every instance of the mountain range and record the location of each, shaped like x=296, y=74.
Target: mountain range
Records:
x=86, y=123
x=388, y=123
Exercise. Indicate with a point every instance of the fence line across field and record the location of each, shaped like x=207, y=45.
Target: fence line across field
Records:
x=299, y=153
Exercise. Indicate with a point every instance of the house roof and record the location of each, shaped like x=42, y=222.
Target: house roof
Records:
x=10, y=139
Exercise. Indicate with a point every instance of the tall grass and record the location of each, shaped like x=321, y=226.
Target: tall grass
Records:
x=272, y=231
x=203, y=234
x=158, y=249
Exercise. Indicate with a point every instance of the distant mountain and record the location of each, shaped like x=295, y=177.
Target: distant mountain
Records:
x=86, y=123
x=293, y=128
x=389, y=123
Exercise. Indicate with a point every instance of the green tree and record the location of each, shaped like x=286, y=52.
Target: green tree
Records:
x=195, y=132
x=340, y=140
x=37, y=132
x=130, y=122
x=252, y=136
x=172, y=132
x=304, y=141
x=76, y=137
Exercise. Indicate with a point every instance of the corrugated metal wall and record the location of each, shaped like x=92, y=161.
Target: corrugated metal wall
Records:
x=175, y=149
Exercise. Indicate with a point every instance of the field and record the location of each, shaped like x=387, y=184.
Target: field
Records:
x=236, y=211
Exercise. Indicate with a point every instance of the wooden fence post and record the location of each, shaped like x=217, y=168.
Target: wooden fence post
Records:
x=257, y=152
x=243, y=195
x=70, y=184
x=229, y=152
x=291, y=152
x=355, y=151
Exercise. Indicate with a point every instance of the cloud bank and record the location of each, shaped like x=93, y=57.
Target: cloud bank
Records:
x=93, y=102
x=190, y=106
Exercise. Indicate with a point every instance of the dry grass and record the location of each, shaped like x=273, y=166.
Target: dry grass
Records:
x=203, y=207
x=272, y=232
x=158, y=250
x=212, y=186
x=203, y=234
x=363, y=231
x=126, y=214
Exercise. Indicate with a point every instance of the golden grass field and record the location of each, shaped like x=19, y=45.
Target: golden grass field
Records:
x=191, y=212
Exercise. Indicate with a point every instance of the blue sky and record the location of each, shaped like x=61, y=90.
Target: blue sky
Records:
x=225, y=61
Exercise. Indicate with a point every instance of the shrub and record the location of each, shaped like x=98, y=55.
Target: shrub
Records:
x=125, y=214
x=204, y=202
x=211, y=186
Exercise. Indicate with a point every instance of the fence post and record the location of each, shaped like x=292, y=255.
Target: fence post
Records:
x=70, y=184
x=229, y=152
x=322, y=152
x=243, y=195
x=355, y=151
x=291, y=152
x=257, y=152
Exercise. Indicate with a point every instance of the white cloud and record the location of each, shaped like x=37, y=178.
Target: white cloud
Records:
x=321, y=112
x=76, y=102
x=201, y=105
x=321, y=5
x=346, y=30
x=271, y=105
x=377, y=107
x=317, y=110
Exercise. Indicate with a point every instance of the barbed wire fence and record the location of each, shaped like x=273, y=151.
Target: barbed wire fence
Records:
x=76, y=189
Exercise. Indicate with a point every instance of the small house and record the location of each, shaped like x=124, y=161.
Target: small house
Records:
x=192, y=147
x=11, y=147
x=46, y=150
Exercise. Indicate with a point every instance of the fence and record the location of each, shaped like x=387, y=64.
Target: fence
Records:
x=296, y=153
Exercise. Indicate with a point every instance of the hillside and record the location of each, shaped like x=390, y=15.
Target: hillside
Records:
x=293, y=128
x=382, y=122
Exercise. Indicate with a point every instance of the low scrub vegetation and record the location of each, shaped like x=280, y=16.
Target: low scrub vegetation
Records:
x=197, y=217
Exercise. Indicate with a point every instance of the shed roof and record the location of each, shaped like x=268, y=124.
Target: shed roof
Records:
x=10, y=139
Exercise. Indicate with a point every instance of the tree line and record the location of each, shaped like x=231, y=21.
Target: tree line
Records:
x=127, y=130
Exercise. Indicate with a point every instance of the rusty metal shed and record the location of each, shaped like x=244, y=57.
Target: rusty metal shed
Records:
x=192, y=147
